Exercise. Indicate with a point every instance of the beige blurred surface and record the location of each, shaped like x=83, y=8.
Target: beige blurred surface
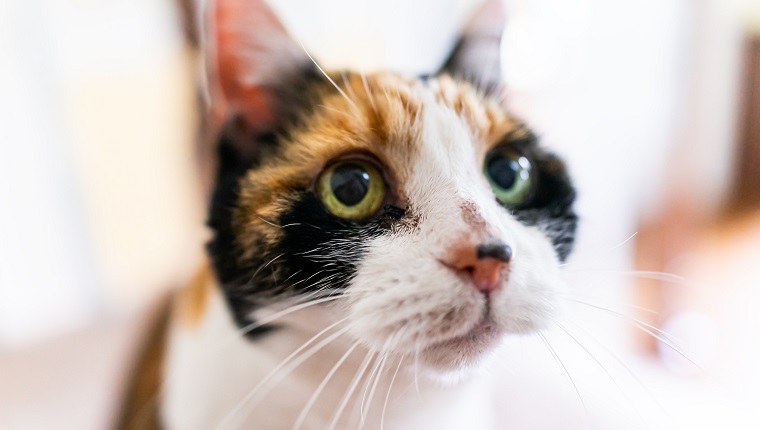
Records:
x=133, y=145
x=73, y=382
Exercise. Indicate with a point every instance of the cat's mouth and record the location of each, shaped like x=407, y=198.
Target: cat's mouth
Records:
x=483, y=331
x=466, y=349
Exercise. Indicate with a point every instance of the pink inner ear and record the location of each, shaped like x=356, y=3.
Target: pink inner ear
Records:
x=248, y=41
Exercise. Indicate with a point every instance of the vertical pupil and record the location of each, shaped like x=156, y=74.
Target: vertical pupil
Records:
x=350, y=184
x=503, y=171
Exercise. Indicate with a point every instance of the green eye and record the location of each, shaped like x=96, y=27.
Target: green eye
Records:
x=509, y=175
x=352, y=190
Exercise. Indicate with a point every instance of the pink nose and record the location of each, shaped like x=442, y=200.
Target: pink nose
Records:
x=485, y=264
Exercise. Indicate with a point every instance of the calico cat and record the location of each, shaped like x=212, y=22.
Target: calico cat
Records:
x=374, y=238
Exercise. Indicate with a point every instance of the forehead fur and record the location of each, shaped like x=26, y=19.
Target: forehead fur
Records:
x=380, y=115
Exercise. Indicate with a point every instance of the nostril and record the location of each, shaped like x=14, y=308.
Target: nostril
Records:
x=486, y=264
x=496, y=250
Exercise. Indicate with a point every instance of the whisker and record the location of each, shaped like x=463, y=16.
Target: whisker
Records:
x=295, y=224
x=645, y=274
x=354, y=383
x=622, y=364
x=594, y=252
x=274, y=277
x=265, y=266
x=369, y=93
x=670, y=345
x=416, y=371
x=309, y=278
x=264, y=321
x=269, y=222
x=169, y=377
x=349, y=87
x=255, y=398
x=609, y=375
x=388, y=395
x=292, y=362
x=351, y=102
x=625, y=317
x=291, y=276
x=378, y=362
x=559, y=361
x=576, y=298
x=374, y=388
x=630, y=238
x=663, y=337
x=335, y=110
x=302, y=416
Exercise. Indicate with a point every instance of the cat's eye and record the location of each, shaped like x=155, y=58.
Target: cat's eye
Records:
x=510, y=176
x=352, y=189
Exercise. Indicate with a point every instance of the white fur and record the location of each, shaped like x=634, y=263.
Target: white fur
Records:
x=403, y=302
x=403, y=288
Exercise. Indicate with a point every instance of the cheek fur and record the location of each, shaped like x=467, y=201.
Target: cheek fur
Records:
x=530, y=297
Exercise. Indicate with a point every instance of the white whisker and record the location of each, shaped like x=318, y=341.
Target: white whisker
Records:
x=264, y=321
x=369, y=93
x=370, y=379
x=663, y=336
x=351, y=102
x=292, y=362
x=625, y=317
x=352, y=387
x=302, y=416
x=266, y=265
x=630, y=238
x=388, y=395
x=646, y=274
x=374, y=388
x=620, y=362
x=601, y=366
x=269, y=222
x=562, y=365
x=575, y=298
x=349, y=87
x=335, y=110
x=416, y=371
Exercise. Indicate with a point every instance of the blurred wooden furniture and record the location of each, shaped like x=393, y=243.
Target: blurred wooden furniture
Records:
x=746, y=190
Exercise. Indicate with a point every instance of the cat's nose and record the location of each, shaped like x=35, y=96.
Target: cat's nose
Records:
x=485, y=264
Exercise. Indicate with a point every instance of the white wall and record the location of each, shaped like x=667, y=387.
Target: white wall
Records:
x=96, y=182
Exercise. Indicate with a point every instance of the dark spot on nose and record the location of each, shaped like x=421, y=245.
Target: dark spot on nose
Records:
x=496, y=250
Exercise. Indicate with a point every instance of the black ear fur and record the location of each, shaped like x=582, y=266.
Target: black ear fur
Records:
x=477, y=55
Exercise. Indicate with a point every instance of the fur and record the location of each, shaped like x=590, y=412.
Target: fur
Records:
x=310, y=319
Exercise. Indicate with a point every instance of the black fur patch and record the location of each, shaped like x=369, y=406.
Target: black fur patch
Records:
x=317, y=256
x=238, y=151
x=550, y=206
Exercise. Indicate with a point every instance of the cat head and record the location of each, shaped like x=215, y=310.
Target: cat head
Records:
x=429, y=215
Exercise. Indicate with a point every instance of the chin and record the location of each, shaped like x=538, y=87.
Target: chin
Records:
x=457, y=357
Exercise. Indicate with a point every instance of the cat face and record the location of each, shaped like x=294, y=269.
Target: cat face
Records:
x=427, y=212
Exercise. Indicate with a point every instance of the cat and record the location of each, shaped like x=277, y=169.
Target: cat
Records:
x=375, y=237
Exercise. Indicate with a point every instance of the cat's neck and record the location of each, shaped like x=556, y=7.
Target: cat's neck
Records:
x=216, y=378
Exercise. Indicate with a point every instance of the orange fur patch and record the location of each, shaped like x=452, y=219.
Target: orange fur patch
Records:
x=140, y=410
x=192, y=300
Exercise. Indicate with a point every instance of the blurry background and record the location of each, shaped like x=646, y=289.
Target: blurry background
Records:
x=654, y=103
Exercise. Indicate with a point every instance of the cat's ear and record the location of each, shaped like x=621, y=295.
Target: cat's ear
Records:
x=477, y=55
x=249, y=59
